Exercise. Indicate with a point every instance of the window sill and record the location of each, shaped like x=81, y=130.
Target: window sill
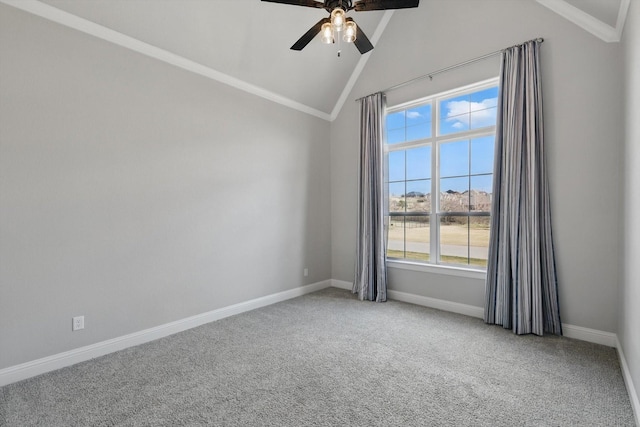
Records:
x=437, y=269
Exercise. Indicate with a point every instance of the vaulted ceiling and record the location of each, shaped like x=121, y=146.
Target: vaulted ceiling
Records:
x=245, y=43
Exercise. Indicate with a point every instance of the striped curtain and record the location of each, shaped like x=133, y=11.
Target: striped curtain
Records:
x=371, y=272
x=521, y=288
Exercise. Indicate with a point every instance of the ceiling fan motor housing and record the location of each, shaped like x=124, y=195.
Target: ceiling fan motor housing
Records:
x=345, y=5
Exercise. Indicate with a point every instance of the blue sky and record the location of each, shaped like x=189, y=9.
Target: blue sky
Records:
x=457, y=159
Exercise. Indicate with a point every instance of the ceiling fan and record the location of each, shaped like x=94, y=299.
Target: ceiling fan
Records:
x=338, y=22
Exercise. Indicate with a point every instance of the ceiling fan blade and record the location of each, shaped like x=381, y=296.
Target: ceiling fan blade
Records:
x=364, y=5
x=308, y=3
x=362, y=42
x=309, y=35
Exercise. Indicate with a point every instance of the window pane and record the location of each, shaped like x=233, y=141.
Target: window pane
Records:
x=486, y=98
x=480, y=195
x=454, y=159
x=454, y=106
x=419, y=163
x=418, y=198
x=454, y=124
x=395, y=242
x=483, y=108
x=479, y=240
x=395, y=120
x=421, y=114
x=482, y=155
x=454, y=114
x=396, y=166
x=420, y=131
x=417, y=238
x=396, y=197
x=454, y=240
x=454, y=194
x=483, y=118
x=395, y=136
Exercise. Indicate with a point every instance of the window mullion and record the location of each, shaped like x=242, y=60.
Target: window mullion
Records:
x=469, y=206
x=434, y=237
x=404, y=218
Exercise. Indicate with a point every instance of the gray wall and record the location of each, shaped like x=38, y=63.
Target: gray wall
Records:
x=135, y=193
x=583, y=91
x=629, y=321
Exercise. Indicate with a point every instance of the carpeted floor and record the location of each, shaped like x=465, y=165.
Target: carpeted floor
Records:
x=328, y=359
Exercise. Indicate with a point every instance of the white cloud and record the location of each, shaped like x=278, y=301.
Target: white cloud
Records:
x=456, y=108
x=482, y=113
x=413, y=114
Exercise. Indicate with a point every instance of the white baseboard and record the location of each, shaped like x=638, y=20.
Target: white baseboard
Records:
x=50, y=363
x=628, y=381
x=569, y=331
x=591, y=335
x=341, y=284
x=440, y=304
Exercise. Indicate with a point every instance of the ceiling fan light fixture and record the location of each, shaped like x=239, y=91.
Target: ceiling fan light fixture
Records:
x=350, y=31
x=330, y=28
x=326, y=33
x=337, y=18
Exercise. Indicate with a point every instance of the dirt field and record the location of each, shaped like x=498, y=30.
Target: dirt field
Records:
x=454, y=234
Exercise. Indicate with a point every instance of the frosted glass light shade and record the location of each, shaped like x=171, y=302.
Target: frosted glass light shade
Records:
x=337, y=19
x=350, y=30
x=326, y=33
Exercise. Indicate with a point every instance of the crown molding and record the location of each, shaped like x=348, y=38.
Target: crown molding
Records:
x=88, y=27
x=589, y=23
x=596, y=27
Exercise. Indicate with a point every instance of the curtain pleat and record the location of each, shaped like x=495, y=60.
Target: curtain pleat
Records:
x=370, y=281
x=521, y=287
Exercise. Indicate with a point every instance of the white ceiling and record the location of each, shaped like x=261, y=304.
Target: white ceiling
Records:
x=246, y=43
x=246, y=39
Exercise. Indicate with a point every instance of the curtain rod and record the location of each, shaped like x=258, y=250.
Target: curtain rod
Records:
x=430, y=75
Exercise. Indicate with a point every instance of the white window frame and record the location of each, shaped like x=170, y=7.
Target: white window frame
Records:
x=434, y=141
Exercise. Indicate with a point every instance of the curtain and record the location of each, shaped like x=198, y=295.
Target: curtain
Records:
x=521, y=287
x=370, y=281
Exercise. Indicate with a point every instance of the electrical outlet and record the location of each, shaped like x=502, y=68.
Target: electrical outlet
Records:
x=306, y=272
x=78, y=323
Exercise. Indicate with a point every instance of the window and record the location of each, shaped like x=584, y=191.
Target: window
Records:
x=442, y=145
